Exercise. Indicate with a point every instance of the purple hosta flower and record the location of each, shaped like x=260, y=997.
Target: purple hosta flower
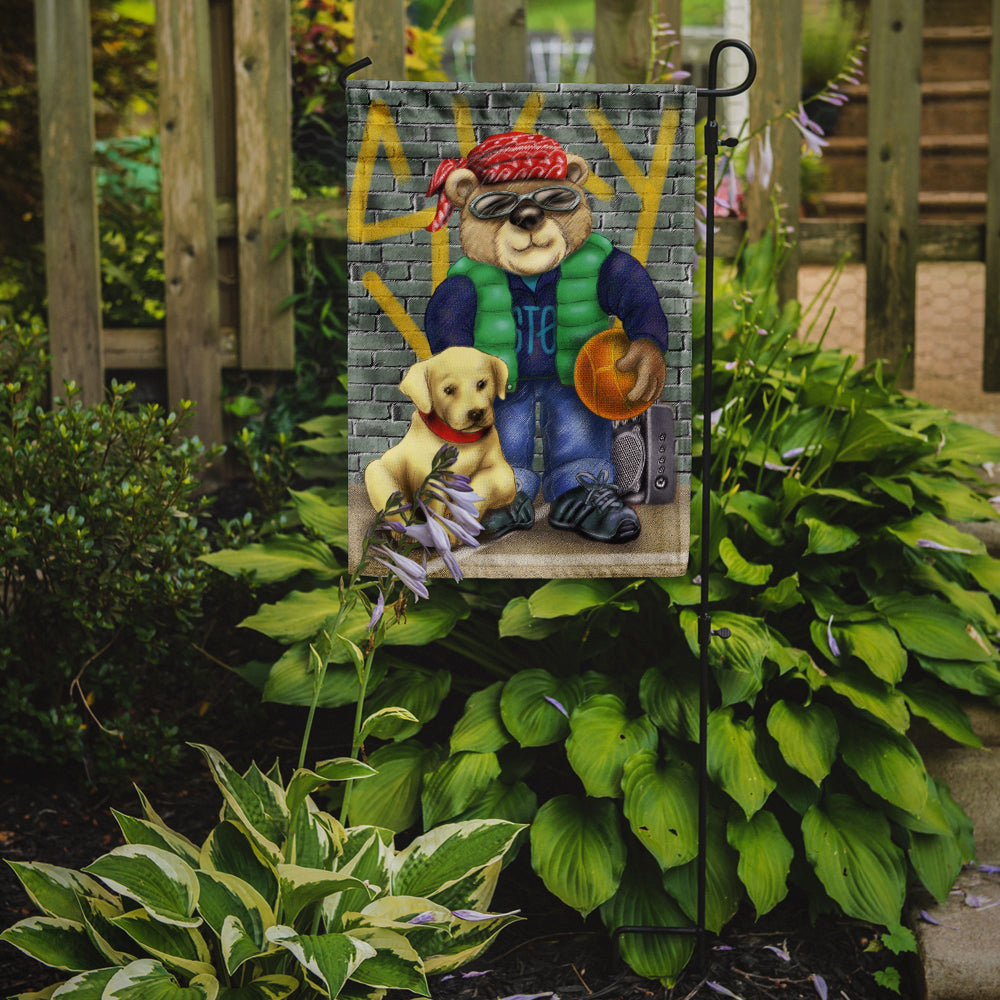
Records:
x=427, y=917
x=989, y=869
x=531, y=996
x=464, y=515
x=728, y=196
x=780, y=952
x=410, y=573
x=377, y=611
x=820, y=983
x=475, y=915
x=927, y=543
x=433, y=538
x=927, y=918
x=719, y=988
x=831, y=642
x=552, y=701
x=811, y=132
x=465, y=975
x=760, y=165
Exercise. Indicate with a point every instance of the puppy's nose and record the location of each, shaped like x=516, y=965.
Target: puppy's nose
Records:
x=475, y=416
x=527, y=216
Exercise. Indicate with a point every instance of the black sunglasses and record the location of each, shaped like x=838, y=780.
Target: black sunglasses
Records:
x=499, y=204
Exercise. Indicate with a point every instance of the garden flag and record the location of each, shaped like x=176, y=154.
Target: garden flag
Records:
x=520, y=318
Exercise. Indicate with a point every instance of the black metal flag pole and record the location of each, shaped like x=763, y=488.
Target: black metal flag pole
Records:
x=705, y=631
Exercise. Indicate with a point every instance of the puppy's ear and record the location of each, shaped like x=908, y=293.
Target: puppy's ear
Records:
x=499, y=369
x=414, y=385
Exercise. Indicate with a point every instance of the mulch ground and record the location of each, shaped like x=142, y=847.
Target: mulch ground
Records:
x=550, y=953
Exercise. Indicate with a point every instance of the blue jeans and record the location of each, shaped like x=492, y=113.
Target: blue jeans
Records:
x=574, y=439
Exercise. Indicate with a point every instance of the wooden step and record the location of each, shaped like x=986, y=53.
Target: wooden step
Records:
x=957, y=206
x=947, y=162
x=940, y=13
x=956, y=53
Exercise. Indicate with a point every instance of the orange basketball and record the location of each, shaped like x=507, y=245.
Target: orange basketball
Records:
x=599, y=384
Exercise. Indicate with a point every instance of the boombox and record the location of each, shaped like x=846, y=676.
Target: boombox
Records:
x=642, y=449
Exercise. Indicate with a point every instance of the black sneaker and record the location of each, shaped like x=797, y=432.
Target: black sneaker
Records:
x=518, y=515
x=594, y=509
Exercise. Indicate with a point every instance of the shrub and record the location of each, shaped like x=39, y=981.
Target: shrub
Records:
x=280, y=899
x=99, y=541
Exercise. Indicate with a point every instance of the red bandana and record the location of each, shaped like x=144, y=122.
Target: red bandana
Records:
x=511, y=156
x=437, y=426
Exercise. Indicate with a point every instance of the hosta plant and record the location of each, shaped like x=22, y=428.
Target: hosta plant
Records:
x=280, y=900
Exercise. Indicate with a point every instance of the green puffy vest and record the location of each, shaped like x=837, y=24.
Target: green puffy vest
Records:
x=578, y=314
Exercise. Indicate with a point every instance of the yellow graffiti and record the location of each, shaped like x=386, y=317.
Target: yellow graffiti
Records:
x=464, y=131
x=392, y=307
x=649, y=187
x=380, y=130
x=528, y=117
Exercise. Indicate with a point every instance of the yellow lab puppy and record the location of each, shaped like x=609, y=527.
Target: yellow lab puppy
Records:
x=453, y=394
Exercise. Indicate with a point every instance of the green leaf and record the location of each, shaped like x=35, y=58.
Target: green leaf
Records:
x=54, y=941
x=957, y=501
x=850, y=848
x=330, y=959
x=760, y=512
x=927, y=527
x=518, y=621
x=876, y=646
x=279, y=558
x=828, y=539
x=516, y=803
x=87, y=986
x=577, y=850
x=56, y=891
x=888, y=763
x=937, y=859
x=304, y=782
x=976, y=678
x=179, y=948
x=274, y=987
x=601, y=739
x=224, y=897
x=141, y=831
x=560, y=598
x=738, y=661
x=481, y=727
x=986, y=571
x=866, y=692
x=807, y=736
x=417, y=690
x=456, y=784
x=640, y=901
x=765, y=858
x=395, y=964
x=661, y=799
x=230, y=849
x=783, y=595
x=732, y=760
x=672, y=700
x=391, y=798
x=327, y=520
x=931, y=628
x=723, y=889
x=965, y=443
x=738, y=569
x=292, y=681
x=301, y=887
x=869, y=436
x=528, y=711
x=941, y=709
x=385, y=723
x=165, y=886
x=436, y=860
x=147, y=979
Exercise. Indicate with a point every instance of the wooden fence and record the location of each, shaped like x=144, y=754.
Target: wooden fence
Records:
x=226, y=160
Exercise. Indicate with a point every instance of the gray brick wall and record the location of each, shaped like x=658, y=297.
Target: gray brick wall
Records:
x=424, y=119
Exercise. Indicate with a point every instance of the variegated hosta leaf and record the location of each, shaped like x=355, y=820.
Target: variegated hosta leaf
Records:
x=765, y=858
x=56, y=891
x=642, y=902
x=147, y=979
x=661, y=800
x=116, y=946
x=850, y=847
x=481, y=727
x=602, y=737
x=256, y=801
x=468, y=939
x=54, y=941
x=224, y=898
x=732, y=760
x=395, y=964
x=367, y=854
x=578, y=851
x=86, y=986
x=141, y=831
x=304, y=782
x=177, y=947
x=328, y=959
x=807, y=736
x=158, y=880
x=723, y=889
x=456, y=784
x=274, y=987
x=229, y=848
x=441, y=857
x=315, y=838
x=476, y=890
x=300, y=887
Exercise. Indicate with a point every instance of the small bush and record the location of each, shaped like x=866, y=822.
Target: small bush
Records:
x=99, y=579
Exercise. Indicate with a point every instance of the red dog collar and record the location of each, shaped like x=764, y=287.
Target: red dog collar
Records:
x=437, y=426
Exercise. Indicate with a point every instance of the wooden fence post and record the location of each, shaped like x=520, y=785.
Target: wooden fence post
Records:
x=501, y=41
x=190, y=250
x=72, y=254
x=262, y=60
x=622, y=41
x=776, y=35
x=893, y=183
x=991, y=332
x=380, y=34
